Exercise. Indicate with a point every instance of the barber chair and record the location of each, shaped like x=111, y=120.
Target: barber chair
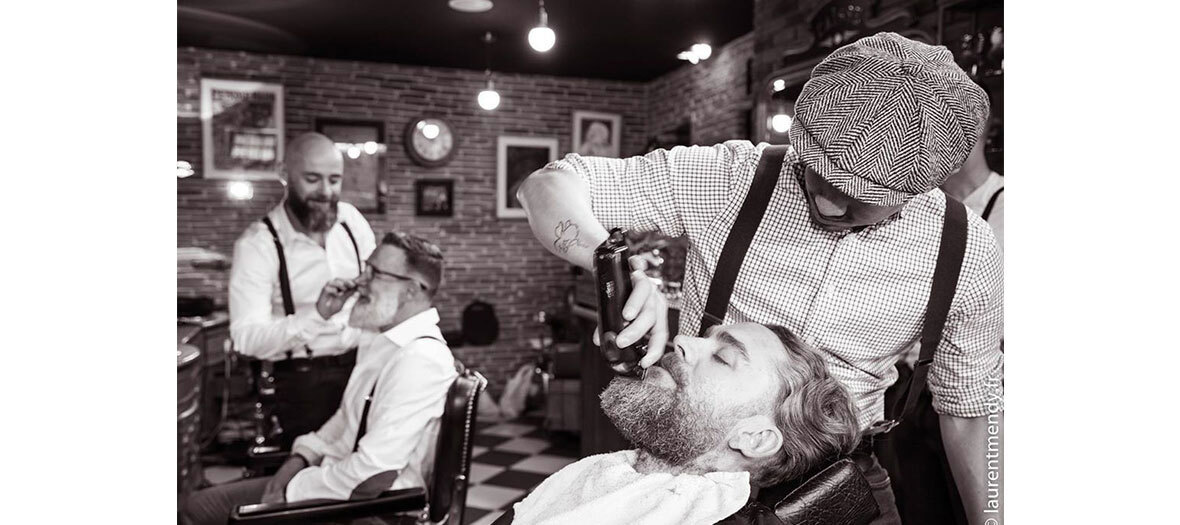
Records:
x=443, y=502
x=265, y=454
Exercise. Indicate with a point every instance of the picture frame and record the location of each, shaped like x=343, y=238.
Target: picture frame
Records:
x=242, y=129
x=434, y=198
x=516, y=158
x=597, y=134
x=362, y=144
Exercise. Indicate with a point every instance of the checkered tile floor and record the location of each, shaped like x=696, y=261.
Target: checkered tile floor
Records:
x=508, y=461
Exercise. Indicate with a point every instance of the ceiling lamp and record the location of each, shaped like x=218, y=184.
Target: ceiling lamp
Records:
x=541, y=38
x=702, y=50
x=488, y=98
x=696, y=53
x=470, y=6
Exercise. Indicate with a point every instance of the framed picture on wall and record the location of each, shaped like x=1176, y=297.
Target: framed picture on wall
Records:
x=434, y=198
x=516, y=158
x=362, y=143
x=241, y=129
x=597, y=134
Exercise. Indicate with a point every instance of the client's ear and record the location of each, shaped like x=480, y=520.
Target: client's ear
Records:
x=756, y=437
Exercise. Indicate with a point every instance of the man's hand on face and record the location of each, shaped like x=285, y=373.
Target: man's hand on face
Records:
x=333, y=296
x=647, y=311
x=276, y=488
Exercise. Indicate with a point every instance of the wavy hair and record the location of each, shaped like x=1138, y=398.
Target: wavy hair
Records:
x=812, y=410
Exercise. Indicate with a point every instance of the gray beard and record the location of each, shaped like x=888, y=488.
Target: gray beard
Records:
x=662, y=422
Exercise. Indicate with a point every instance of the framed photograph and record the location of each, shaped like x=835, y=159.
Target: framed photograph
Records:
x=597, y=134
x=362, y=142
x=434, y=198
x=241, y=129
x=516, y=158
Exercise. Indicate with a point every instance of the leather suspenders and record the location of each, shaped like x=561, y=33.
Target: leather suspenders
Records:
x=946, y=273
x=284, y=277
x=360, y=432
x=991, y=203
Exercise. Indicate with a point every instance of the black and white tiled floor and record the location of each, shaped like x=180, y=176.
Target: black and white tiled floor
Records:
x=508, y=461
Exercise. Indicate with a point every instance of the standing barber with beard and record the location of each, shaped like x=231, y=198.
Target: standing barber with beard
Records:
x=281, y=264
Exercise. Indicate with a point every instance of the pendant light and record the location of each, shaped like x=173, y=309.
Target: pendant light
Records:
x=541, y=38
x=488, y=99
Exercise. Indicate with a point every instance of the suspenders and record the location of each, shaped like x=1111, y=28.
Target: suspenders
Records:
x=284, y=277
x=946, y=273
x=360, y=432
x=991, y=203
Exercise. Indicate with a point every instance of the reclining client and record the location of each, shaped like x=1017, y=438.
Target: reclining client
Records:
x=747, y=406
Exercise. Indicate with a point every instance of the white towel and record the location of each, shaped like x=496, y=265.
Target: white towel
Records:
x=606, y=489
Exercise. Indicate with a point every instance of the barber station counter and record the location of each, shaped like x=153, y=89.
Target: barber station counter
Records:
x=599, y=435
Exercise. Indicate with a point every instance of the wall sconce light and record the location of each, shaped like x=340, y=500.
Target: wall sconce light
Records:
x=184, y=169
x=240, y=190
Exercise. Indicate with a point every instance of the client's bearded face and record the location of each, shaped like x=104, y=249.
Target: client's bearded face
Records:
x=676, y=424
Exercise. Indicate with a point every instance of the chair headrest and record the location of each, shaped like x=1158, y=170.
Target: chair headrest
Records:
x=836, y=494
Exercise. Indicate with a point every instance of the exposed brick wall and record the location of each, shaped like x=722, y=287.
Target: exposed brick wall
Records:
x=496, y=260
x=711, y=95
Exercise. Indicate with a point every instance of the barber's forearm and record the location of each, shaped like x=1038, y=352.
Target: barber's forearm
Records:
x=974, y=448
x=558, y=207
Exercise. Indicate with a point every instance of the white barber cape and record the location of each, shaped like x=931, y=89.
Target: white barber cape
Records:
x=606, y=489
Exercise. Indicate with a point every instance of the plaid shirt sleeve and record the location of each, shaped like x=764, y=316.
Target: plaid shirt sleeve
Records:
x=966, y=377
x=675, y=191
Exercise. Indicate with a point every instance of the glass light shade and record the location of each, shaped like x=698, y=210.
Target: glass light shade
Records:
x=489, y=99
x=780, y=123
x=240, y=190
x=702, y=51
x=354, y=152
x=542, y=38
x=370, y=147
x=779, y=85
x=689, y=56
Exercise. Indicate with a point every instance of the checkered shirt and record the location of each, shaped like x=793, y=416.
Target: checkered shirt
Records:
x=859, y=298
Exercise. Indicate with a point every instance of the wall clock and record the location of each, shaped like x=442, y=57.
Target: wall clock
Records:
x=430, y=141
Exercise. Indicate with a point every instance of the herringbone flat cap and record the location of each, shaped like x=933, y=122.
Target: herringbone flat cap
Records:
x=886, y=118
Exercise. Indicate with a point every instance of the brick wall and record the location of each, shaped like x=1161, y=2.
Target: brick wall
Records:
x=496, y=260
x=711, y=95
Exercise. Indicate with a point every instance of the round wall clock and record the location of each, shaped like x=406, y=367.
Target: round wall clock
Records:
x=431, y=141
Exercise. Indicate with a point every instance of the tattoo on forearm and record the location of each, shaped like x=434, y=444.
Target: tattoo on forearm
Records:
x=567, y=237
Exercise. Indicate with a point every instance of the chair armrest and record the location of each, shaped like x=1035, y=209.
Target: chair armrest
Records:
x=266, y=456
x=387, y=502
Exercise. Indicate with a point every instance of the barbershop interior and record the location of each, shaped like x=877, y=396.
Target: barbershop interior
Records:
x=314, y=135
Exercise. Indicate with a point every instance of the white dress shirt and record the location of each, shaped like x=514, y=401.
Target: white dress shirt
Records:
x=606, y=489
x=413, y=374
x=258, y=325
x=858, y=297
x=979, y=198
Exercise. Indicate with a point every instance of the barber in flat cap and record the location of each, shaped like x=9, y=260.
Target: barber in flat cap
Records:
x=845, y=252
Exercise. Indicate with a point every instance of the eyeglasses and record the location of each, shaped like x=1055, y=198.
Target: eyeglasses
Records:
x=371, y=270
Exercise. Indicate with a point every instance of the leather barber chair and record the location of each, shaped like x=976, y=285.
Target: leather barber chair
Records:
x=443, y=502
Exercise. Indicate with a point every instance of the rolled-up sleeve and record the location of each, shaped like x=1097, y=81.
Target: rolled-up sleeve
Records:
x=673, y=191
x=967, y=376
x=410, y=394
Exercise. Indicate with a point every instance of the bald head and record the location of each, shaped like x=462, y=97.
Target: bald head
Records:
x=314, y=170
x=314, y=150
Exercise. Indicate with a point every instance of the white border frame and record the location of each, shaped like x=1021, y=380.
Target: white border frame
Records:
x=207, y=86
x=502, y=143
x=615, y=135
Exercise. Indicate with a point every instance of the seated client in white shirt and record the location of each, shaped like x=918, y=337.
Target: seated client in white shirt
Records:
x=747, y=405
x=403, y=360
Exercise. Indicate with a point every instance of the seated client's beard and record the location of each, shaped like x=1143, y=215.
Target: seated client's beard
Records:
x=314, y=218
x=668, y=424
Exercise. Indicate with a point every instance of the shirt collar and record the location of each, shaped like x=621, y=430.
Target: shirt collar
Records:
x=798, y=188
x=423, y=323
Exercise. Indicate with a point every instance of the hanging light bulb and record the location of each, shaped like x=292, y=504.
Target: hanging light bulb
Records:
x=780, y=123
x=702, y=51
x=541, y=38
x=488, y=98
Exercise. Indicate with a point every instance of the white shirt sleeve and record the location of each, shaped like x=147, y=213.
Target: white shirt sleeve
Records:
x=313, y=446
x=255, y=330
x=410, y=393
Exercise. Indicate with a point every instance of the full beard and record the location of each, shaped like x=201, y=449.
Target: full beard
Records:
x=668, y=424
x=372, y=313
x=317, y=214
